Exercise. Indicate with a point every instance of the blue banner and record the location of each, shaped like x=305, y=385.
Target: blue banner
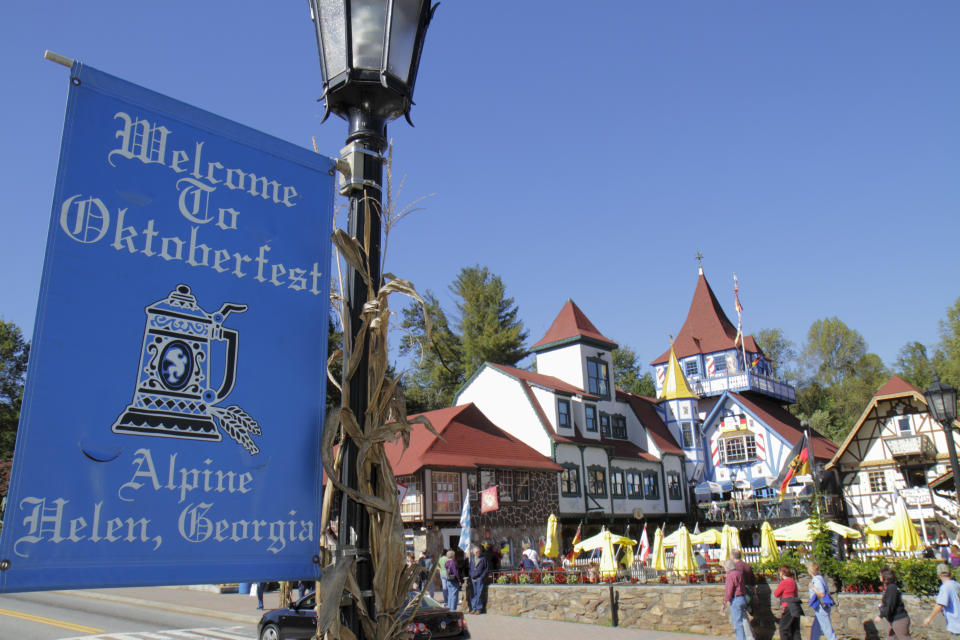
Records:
x=170, y=429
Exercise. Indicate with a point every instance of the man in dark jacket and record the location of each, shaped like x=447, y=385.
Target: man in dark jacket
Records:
x=749, y=589
x=479, y=568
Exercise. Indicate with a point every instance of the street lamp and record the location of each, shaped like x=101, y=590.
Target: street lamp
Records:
x=369, y=56
x=942, y=403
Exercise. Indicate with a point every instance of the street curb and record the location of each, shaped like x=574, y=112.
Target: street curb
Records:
x=165, y=606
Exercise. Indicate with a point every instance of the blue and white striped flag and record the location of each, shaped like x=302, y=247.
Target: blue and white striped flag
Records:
x=465, y=524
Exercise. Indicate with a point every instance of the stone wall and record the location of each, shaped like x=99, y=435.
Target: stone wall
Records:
x=696, y=609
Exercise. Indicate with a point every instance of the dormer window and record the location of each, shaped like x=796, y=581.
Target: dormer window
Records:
x=604, y=424
x=597, y=377
x=720, y=365
x=590, y=417
x=690, y=368
x=620, y=426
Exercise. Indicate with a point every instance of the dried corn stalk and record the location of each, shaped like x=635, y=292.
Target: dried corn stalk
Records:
x=385, y=420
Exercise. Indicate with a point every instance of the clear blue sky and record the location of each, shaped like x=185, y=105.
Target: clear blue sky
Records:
x=582, y=150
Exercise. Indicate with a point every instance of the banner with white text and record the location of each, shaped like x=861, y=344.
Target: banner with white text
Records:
x=170, y=428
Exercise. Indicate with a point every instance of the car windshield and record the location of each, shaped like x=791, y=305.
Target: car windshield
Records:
x=308, y=601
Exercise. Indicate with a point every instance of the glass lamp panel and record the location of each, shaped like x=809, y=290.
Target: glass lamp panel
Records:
x=403, y=38
x=368, y=23
x=333, y=29
x=950, y=404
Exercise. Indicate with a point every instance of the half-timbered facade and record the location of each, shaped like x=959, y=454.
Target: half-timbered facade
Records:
x=896, y=448
x=720, y=401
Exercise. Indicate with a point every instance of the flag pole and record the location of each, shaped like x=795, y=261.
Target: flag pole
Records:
x=810, y=463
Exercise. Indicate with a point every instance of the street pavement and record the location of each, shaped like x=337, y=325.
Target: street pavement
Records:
x=239, y=610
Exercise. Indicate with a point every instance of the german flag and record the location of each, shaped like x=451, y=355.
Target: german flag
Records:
x=797, y=465
x=576, y=538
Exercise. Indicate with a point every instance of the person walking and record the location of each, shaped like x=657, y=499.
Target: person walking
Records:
x=947, y=602
x=426, y=570
x=891, y=607
x=479, y=568
x=791, y=611
x=821, y=603
x=749, y=589
x=261, y=587
x=733, y=596
x=451, y=582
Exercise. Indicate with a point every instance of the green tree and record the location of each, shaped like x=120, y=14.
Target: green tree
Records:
x=626, y=373
x=947, y=356
x=914, y=366
x=14, y=351
x=842, y=377
x=781, y=352
x=488, y=329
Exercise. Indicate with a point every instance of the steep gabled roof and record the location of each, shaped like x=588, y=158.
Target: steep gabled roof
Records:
x=572, y=325
x=785, y=423
x=645, y=410
x=707, y=328
x=545, y=381
x=470, y=440
x=893, y=388
x=675, y=386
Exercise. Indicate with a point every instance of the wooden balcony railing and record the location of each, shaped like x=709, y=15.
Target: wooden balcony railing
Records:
x=753, y=510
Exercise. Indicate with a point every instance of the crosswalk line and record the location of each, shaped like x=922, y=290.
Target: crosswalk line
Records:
x=208, y=633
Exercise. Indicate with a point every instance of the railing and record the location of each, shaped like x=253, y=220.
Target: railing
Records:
x=742, y=381
x=913, y=445
x=758, y=510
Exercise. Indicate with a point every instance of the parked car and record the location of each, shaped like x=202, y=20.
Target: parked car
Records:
x=431, y=621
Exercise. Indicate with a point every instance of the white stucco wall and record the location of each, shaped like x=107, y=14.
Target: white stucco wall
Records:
x=565, y=363
x=503, y=400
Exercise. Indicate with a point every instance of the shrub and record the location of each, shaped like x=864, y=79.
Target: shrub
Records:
x=572, y=578
x=523, y=578
x=918, y=576
x=503, y=580
x=547, y=579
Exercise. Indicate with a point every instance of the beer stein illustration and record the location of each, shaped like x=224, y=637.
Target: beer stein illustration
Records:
x=173, y=396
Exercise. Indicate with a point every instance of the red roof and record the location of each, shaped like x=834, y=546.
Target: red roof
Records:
x=786, y=424
x=541, y=380
x=706, y=328
x=469, y=441
x=645, y=409
x=571, y=324
x=897, y=386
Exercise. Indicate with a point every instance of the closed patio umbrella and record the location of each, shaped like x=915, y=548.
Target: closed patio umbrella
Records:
x=552, y=547
x=768, y=544
x=659, y=559
x=683, y=561
x=905, y=536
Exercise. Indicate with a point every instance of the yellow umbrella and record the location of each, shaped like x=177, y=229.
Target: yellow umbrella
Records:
x=604, y=541
x=710, y=536
x=683, y=561
x=801, y=532
x=628, y=557
x=659, y=560
x=673, y=539
x=729, y=540
x=905, y=537
x=881, y=527
x=873, y=541
x=768, y=544
x=552, y=547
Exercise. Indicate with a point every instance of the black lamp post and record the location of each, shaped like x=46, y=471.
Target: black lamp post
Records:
x=369, y=56
x=942, y=404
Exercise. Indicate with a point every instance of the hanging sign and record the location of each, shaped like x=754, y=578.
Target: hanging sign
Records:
x=170, y=428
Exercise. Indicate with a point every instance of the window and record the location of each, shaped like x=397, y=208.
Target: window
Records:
x=604, y=424
x=563, y=413
x=686, y=429
x=738, y=449
x=446, y=491
x=590, y=416
x=651, y=486
x=903, y=424
x=597, y=481
x=570, y=480
x=878, y=483
x=413, y=500
x=690, y=367
x=503, y=479
x=521, y=486
x=472, y=486
x=620, y=426
x=673, y=486
x=634, y=484
x=720, y=365
x=617, y=488
x=597, y=377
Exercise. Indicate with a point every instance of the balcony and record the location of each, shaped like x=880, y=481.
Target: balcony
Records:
x=917, y=446
x=752, y=512
x=744, y=381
